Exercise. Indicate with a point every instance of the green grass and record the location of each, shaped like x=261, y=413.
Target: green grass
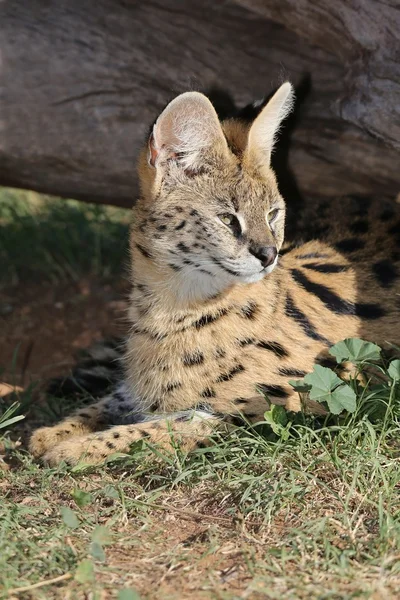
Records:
x=314, y=513
x=51, y=239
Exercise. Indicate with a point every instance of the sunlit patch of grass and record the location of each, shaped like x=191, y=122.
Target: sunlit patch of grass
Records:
x=51, y=239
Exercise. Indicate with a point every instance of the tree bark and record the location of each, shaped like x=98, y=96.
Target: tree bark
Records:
x=81, y=82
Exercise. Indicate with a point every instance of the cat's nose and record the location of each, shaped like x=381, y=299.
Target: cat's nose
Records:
x=265, y=254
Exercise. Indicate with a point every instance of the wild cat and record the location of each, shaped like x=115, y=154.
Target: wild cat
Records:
x=221, y=314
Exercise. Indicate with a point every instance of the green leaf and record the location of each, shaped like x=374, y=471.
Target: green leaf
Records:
x=85, y=571
x=117, y=455
x=322, y=381
x=96, y=550
x=6, y=419
x=81, y=497
x=69, y=517
x=355, y=350
x=11, y=421
x=299, y=385
x=277, y=419
x=394, y=370
x=128, y=594
x=327, y=387
x=342, y=398
x=110, y=491
x=101, y=535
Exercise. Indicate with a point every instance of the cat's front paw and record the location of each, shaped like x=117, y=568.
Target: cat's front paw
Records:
x=85, y=449
x=44, y=439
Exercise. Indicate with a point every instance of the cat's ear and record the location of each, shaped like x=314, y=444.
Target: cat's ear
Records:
x=185, y=131
x=263, y=132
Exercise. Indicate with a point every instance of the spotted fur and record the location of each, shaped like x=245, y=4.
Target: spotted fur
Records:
x=218, y=324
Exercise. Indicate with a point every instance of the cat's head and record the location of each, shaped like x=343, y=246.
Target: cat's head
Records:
x=210, y=208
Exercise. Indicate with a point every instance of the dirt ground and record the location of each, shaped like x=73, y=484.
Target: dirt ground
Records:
x=44, y=325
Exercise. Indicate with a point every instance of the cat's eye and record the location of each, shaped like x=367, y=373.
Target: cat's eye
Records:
x=226, y=219
x=232, y=222
x=273, y=214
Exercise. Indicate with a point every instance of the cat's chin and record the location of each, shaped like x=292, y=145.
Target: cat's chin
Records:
x=252, y=278
x=257, y=276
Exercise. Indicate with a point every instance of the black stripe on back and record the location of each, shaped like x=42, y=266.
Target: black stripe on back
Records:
x=326, y=268
x=324, y=294
x=350, y=245
x=369, y=311
x=385, y=272
x=295, y=313
x=313, y=255
x=272, y=390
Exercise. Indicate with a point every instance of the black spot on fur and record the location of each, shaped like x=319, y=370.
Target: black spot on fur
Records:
x=220, y=352
x=272, y=390
x=203, y=406
x=326, y=361
x=385, y=273
x=146, y=434
x=182, y=418
x=350, y=245
x=324, y=294
x=143, y=251
x=295, y=313
x=230, y=374
x=110, y=445
x=250, y=416
x=174, y=267
x=182, y=247
x=194, y=213
x=289, y=372
x=249, y=310
x=274, y=347
x=119, y=397
x=369, y=311
x=209, y=318
x=161, y=228
x=359, y=205
x=84, y=415
x=208, y=393
x=193, y=358
x=143, y=225
x=170, y=387
x=245, y=342
x=326, y=268
x=360, y=226
x=116, y=435
x=201, y=445
x=181, y=225
x=240, y=401
x=395, y=231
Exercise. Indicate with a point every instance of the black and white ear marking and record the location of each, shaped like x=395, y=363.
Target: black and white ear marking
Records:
x=186, y=129
x=263, y=132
